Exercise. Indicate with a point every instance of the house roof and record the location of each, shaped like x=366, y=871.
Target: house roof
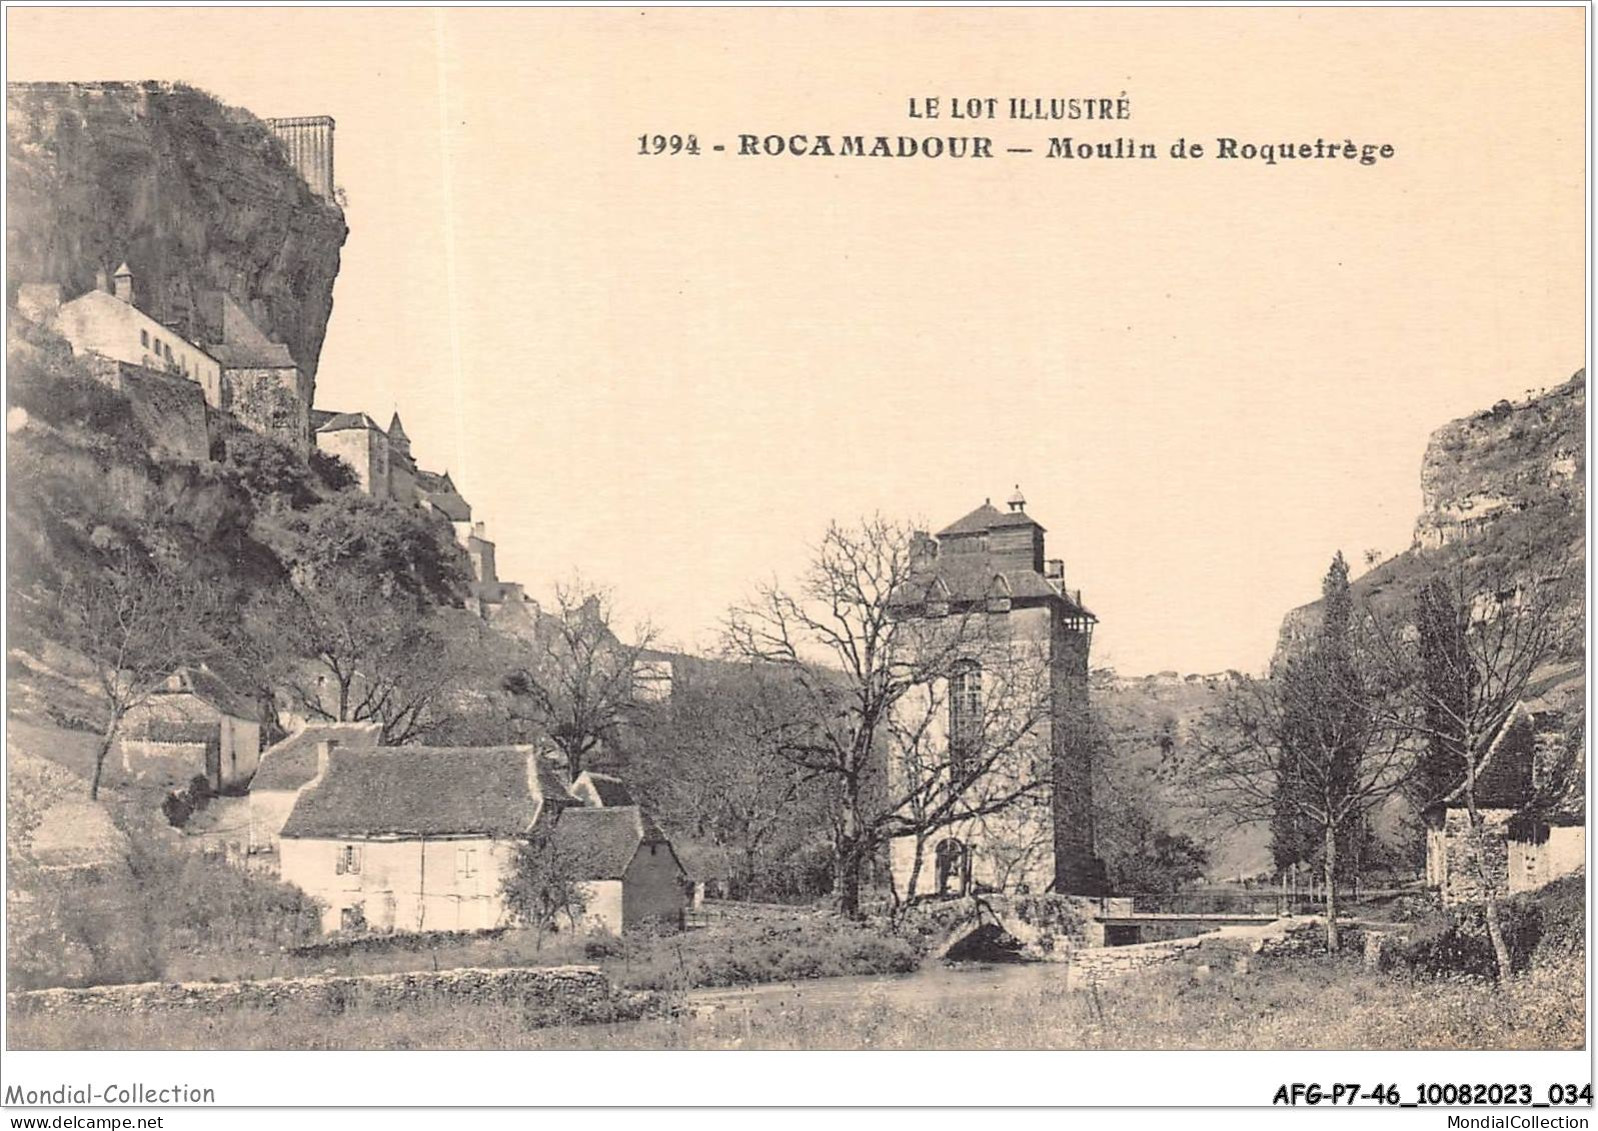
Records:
x=972, y=577
x=704, y=861
x=292, y=763
x=415, y=791
x=601, y=843
x=1513, y=776
x=340, y=421
x=984, y=518
x=435, y=481
x=253, y=355
x=608, y=790
x=205, y=686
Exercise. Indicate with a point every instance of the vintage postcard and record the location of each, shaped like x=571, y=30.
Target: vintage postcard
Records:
x=805, y=529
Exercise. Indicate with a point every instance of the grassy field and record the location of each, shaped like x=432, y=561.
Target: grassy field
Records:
x=1287, y=1003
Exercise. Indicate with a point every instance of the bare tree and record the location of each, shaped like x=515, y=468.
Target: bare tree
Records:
x=576, y=679
x=715, y=772
x=1463, y=657
x=345, y=651
x=138, y=624
x=1312, y=743
x=873, y=686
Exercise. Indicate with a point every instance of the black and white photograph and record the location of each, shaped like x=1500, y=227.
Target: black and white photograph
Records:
x=814, y=530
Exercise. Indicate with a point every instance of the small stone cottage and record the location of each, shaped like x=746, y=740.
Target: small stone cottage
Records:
x=194, y=725
x=1532, y=808
x=632, y=876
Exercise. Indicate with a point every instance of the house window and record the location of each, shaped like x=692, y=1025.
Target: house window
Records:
x=465, y=863
x=965, y=715
x=144, y=338
x=349, y=860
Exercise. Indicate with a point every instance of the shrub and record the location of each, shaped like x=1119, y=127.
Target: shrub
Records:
x=177, y=809
x=268, y=469
x=61, y=391
x=1537, y=925
x=334, y=473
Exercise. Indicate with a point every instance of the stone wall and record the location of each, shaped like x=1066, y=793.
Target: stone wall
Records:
x=558, y=994
x=1092, y=965
x=272, y=401
x=170, y=409
x=1462, y=882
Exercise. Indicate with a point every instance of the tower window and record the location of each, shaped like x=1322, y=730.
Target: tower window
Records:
x=144, y=338
x=965, y=716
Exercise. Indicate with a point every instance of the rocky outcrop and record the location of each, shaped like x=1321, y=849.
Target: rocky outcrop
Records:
x=1503, y=461
x=1507, y=483
x=195, y=196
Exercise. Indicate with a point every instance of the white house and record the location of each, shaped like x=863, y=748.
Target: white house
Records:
x=111, y=326
x=416, y=838
x=291, y=765
x=632, y=875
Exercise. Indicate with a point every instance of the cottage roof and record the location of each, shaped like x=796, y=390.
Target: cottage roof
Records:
x=292, y=763
x=606, y=790
x=601, y=843
x=702, y=862
x=414, y=791
x=252, y=355
x=205, y=686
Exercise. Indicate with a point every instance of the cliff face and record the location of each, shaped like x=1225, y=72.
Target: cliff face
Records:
x=1508, y=459
x=193, y=195
x=1506, y=484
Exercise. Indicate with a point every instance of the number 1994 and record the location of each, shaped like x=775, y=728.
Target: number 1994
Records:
x=655, y=144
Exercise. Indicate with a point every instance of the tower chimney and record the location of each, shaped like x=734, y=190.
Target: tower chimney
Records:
x=124, y=283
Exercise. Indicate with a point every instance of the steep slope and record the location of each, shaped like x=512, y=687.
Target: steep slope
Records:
x=1508, y=486
x=194, y=195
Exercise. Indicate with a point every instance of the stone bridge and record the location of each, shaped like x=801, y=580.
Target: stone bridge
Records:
x=1051, y=927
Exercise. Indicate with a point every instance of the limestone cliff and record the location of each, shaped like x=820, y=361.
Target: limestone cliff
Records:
x=193, y=195
x=1506, y=460
x=1503, y=483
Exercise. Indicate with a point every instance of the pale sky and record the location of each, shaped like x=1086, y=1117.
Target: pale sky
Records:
x=670, y=373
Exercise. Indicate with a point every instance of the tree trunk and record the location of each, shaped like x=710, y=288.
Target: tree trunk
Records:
x=915, y=869
x=1495, y=930
x=1332, y=938
x=847, y=873
x=103, y=751
x=1489, y=891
